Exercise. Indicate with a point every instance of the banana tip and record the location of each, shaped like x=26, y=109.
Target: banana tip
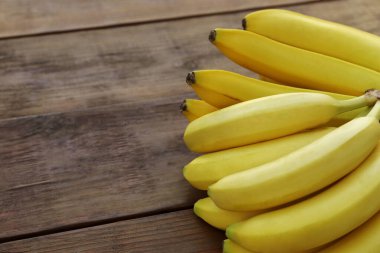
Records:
x=190, y=78
x=183, y=106
x=212, y=36
x=244, y=24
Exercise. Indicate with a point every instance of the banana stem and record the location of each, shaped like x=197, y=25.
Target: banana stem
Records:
x=369, y=98
x=375, y=112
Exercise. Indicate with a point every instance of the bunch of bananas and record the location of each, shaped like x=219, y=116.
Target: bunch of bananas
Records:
x=291, y=161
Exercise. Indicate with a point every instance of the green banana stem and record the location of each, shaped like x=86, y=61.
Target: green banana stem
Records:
x=369, y=98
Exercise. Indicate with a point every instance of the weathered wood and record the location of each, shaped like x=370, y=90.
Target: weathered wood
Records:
x=87, y=69
x=102, y=67
x=63, y=169
x=171, y=233
x=25, y=17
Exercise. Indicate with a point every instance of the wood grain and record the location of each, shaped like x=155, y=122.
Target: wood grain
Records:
x=81, y=70
x=63, y=169
x=171, y=233
x=26, y=17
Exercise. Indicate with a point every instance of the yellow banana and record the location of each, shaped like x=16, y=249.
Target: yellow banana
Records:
x=217, y=217
x=220, y=218
x=213, y=98
x=209, y=168
x=264, y=119
x=196, y=107
x=293, y=65
x=317, y=220
x=301, y=172
x=231, y=247
x=363, y=239
x=317, y=35
x=245, y=88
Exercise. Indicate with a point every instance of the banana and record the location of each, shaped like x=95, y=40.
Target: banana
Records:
x=217, y=217
x=196, y=107
x=363, y=239
x=213, y=98
x=293, y=65
x=231, y=247
x=245, y=88
x=209, y=168
x=317, y=35
x=318, y=220
x=265, y=118
x=189, y=116
x=301, y=172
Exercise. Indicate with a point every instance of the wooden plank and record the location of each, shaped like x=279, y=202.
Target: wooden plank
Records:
x=172, y=232
x=61, y=170
x=81, y=70
x=26, y=17
x=102, y=67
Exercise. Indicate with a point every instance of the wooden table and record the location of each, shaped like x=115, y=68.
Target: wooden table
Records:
x=91, y=150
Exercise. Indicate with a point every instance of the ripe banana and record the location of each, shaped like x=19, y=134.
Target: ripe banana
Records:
x=245, y=88
x=207, y=169
x=213, y=98
x=301, y=172
x=318, y=220
x=293, y=65
x=217, y=217
x=317, y=35
x=265, y=118
x=196, y=107
x=363, y=239
x=231, y=247
x=220, y=218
